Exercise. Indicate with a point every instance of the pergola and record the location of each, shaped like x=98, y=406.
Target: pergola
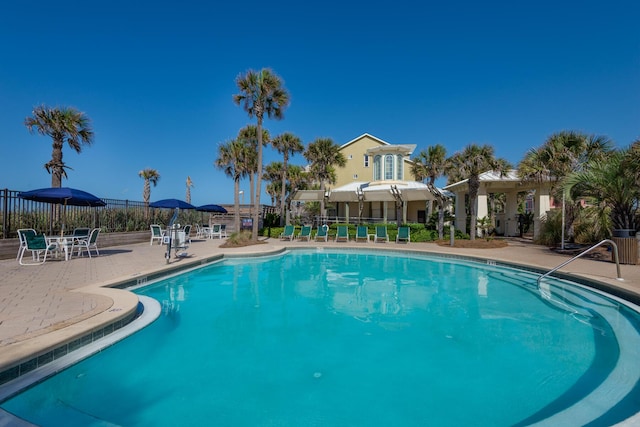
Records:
x=511, y=185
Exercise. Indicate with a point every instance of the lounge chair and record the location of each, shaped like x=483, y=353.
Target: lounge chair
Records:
x=322, y=233
x=404, y=234
x=362, y=233
x=381, y=234
x=87, y=243
x=288, y=232
x=156, y=234
x=37, y=245
x=343, y=234
x=305, y=233
x=23, y=233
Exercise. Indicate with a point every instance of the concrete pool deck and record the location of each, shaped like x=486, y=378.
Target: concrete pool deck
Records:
x=46, y=305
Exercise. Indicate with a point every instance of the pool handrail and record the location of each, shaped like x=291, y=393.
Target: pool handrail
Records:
x=615, y=257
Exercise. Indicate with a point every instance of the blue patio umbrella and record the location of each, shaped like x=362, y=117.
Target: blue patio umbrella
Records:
x=63, y=196
x=171, y=204
x=211, y=208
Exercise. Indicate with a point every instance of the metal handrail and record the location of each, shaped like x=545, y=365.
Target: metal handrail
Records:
x=615, y=255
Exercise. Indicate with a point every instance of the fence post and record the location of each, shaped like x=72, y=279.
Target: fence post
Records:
x=5, y=213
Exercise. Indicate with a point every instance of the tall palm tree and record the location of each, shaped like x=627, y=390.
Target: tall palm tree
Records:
x=286, y=144
x=561, y=154
x=469, y=164
x=324, y=155
x=61, y=124
x=232, y=159
x=430, y=164
x=150, y=176
x=261, y=93
x=248, y=137
x=189, y=185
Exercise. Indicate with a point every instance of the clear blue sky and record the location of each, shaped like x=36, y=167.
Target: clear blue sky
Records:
x=157, y=78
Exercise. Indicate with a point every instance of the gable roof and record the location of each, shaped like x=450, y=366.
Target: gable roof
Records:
x=364, y=135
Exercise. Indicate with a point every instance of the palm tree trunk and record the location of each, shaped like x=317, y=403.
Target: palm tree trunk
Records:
x=256, y=212
x=283, y=191
x=474, y=185
x=236, y=204
x=322, y=212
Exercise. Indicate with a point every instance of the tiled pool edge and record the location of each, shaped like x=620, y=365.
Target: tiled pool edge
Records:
x=62, y=350
x=22, y=368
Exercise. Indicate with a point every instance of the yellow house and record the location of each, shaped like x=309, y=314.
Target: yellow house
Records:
x=376, y=185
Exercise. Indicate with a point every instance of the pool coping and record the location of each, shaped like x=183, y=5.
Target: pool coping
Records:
x=23, y=357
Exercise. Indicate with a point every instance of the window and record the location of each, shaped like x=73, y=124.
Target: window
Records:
x=355, y=176
x=399, y=167
x=366, y=160
x=388, y=167
x=350, y=156
x=377, y=168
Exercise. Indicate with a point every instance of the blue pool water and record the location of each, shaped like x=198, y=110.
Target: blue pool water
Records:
x=344, y=338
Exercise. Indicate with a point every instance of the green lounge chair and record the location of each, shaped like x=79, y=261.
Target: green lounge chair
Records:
x=381, y=234
x=362, y=233
x=322, y=233
x=87, y=243
x=305, y=233
x=404, y=234
x=287, y=234
x=343, y=234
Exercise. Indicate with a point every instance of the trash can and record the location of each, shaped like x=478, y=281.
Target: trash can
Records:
x=627, y=246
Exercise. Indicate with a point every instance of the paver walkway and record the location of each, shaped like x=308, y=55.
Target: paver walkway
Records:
x=38, y=304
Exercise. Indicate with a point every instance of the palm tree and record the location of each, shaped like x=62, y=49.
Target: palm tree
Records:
x=561, y=154
x=248, y=137
x=189, y=185
x=61, y=124
x=324, y=155
x=606, y=182
x=286, y=144
x=469, y=164
x=273, y=173
x=231, y=159
x=261, y=93
x=430, y=164
x=150, y=176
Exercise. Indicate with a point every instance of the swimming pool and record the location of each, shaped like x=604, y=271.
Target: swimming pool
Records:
x=330, y=337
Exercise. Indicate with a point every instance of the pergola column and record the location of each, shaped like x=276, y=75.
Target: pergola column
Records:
x=346, y=211
x=542, y=205
x=481, y=207
x=461, y=215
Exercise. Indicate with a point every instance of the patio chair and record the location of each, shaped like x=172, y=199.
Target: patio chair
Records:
x=215, y=231
x=23, y=233
x=157, y=233
x=343, y=234
x=305, y=233
x=287, y=234
x=87, y=243
x=322, y=233
x=37, y=245
x=404, y=234
x=381, y=234
x=362, y=233
x=187, y=232
x=223, y=231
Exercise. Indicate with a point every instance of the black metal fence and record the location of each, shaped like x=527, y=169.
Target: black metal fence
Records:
x=116, y=216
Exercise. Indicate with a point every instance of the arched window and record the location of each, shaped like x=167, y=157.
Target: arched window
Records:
x=377, y=168
x=399, y=167
x=388, y=167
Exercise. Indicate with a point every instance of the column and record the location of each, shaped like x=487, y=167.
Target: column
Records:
x=541, y=206
x=461, y=215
